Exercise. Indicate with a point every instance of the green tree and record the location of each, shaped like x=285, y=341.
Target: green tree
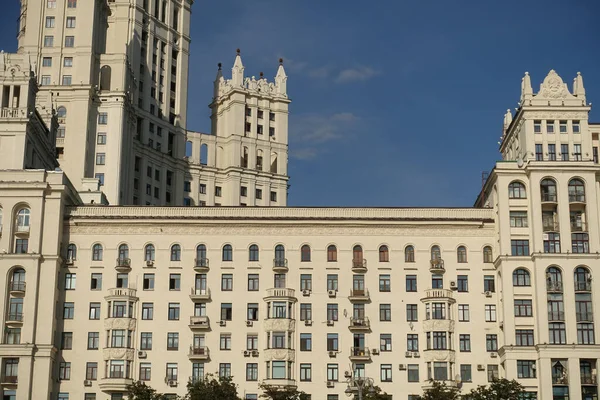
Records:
x=211, y=388
x=376, y=394
x=440, y=391
x=282, y=393
x=140, y=391
x=499, y=389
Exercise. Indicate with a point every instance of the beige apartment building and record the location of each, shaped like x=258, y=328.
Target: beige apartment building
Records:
x=98, y=296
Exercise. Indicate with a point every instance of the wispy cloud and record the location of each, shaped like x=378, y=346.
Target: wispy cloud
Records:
x=357, y=74
x=311, y=134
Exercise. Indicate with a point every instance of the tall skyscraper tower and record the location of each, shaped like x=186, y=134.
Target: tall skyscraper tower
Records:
x=116, y=71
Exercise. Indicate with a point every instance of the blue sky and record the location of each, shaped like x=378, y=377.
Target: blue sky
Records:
x=395, y=103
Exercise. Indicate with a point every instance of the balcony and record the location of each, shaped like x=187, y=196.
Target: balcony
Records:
x=14, y=318
x=281, y=293
x=360, y=354
x=437, y=266
x=562, y=379
x=550, y=226
x=280, y=265
x=583, y=286
x=17, y=288
x=359, y=324
x=577, y=198
x=438, y=294
x=10, y=112
x=585, y=316
x=116, y=382
x=554, y=286
x=200, y=294
x=22, y=230
x=9, y=380
x=359, y=295
x=122, y=293
x=588, y=379
x=359, y=266
x=549, y=198
x=199, y=323
x=201, y=265
x=123, y=264
x=198, y=353
x=578, y=226
x=291, y=383
x=554, y=316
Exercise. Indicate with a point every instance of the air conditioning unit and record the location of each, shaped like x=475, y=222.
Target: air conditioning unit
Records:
x=453, y=285
x=87, y=382
x=149, y=263
x=247, y=353
x=347, y=374
x=375, y=351
x=416, y=354
x=480, y=367
x=332, y=354
x=306, y=292
x=488, y=294
x=254, y=353
x=222, y=323
x=248, y=323
x=172, y=383
x=402, y=367
x=494, y=355
x=330, y=384
x=308, y=322
x=330, y=322
x=332, y=293
x=408, y=354
x=142, y=354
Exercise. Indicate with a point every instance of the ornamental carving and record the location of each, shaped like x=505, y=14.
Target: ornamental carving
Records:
x=280, y=354
x=118, y=354
x=120, y=323
x=446, y=325
x=439, y=355
x=554, y=87
x=280, y=324
x=557, y=115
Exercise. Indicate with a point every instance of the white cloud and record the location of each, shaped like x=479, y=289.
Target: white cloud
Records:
x=358, y=74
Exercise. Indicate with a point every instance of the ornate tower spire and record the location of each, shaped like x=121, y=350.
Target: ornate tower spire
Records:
x=218, y=80
x=237, y=72
x=281, y=79
x=507, y=120
x=526, y=89
x=578, y=88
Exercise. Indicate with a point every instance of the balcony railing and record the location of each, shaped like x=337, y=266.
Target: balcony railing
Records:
x=583, y=286
x=281, y=263
x=550, y=226
x=360, y=352
x=199, y=293
x=14, y=317
x=123, y=262
x=281, y=292
x=199, y=351
x=17, y=286
x=22, y=228
x=549, y=197
x=201, y=263
x=359, y=294
x=577, y=198
x=11, y=112
x=200, y=322
x=360, y=322
x=585, y=316
x=579, y=227
x=122, y=292
x=588, y=379
x=10, y=379
x=562, y=379
x=556, y=315
x=359, y=264
x=118, y=375
x=554, y=286
x=439, y=294
x=437, y=264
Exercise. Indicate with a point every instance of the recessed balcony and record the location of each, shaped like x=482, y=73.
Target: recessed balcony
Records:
x=578, y=226
x=123, y=264
x=17, y=288
x=199, y=323
x=359, y=266
x=360, y=354
x=554, y=286
x=583, y=286
x=437, y=266
x=200, y=294
x=549, y=198
x=14, y=318
x=588, y=379
x=550, y=226
x=201, y=265
x=359, y=295
x=359, y=324
x=280, y=265
x=577, y=198
x=556, y=316
x=561, y=379
x=199, y=353
x=9, y=380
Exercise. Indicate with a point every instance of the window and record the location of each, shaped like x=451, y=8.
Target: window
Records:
x=68, y=310
x=64, y=371
x=525, y=369
x=490, y=313
x=218, y=191
x=557, y=333
x=331, y=253
x=519, y=247
x=413, y=372
x=93, y=340
x=278, y=370
x=145, y=371
x=71, y=22
x=332, y=342
x=332, y=312
x=305, y=282
x=69, y=41
x=489, y=283
x=271, y=131
x=551, y=152
x=226, y=311
x=305, y=342
x=580, y=243
x=91, y=371
x=148, y=282
x=175, y=282
x=48, y=42
x=253, y=253
x=463, y=313
x=386, y=372
x=518, y=219
x=523, y=308
x=100, y=159
x=102, y=118
x=521, y=277
x=385, y=312
x=172, y=340
x=464, y=342
x=12, y=335
x=51, y=4
x=305, y=312
x=577, y=152
x=227, y=282
x=332, y=282
x=66, y=342
x=227, y=253
x=411, y=283
x=576, y=191
x=173, y=311
x=252, y=372
x=252, y=342
x=332, y=372
x=252, y=312
x=305, y=253
x=487, y=255
x=100, y=178
x=187, y=186
x=225, y=341
x=537, y=126
x=550, y=126
x=437, y=281
x=176, y=252
x=305, y=373
x=70, y=280
x=71, y=3
x=146, y=341
x=412, y=342
x=411, y=312
x=552, y=242
x=462, y=283
x=564, y=151
x=524, y=337
x=172, y=371
x=491, y=342
x=384, y=254
x=409, y=254
x=258, y=192
x=539, y=152
x=385, y=342
x=492, y=372
x=385, y=284
x=461, y=254
x=252, y=282
x=585, y=333
x=516, y=190
x=50, y=22
x=202, y=188
x=21, y=246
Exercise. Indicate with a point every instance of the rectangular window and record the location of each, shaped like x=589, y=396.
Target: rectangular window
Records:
x=557, y=333
x=385, y=312
x=580, y=243
x=539, y=152
x=332, y=312
x=70, y=281
x=305, y=312
x=48, y=41
x=577, y=152
x=332, y=372
x=172, y=341
x=227, y=282
x=64, y=371
x=385, y=342
x=252, y=311
x=225, y=341
x=102, y=118
x=518, y=219
x=524, y=337
x=463, y=313
x=305, y=282
x=464, y=342
x=93, y=340
x=585, y=333
x=305, y=372
x=564, y=152
x=173, y=311
x=100, y=159
x=489, y=284
x=217, y=191
x=492, y=372
x=576, y=127
x=523, y=308
x=273, y=196
x=226, y=311
x=47, y=62
x=252, y=282
x=50, y=22
x=552, y=242
x=526, y=369
x=252, y=372
x=68, y=310
x=551, y=152
x=101, y=139
x=562, y=127
x=147, y=311
x=145, y=371
x=491, y=342
x=332, y=342
x=332, y=282
x=412, y=342
x=258, y=191
x=51, y=4
x=175, y=282
x=71, y=22
x=550, y=126
x=21, y=246
x=465, y=372
x=66, y=80
x=462, y=283
x=66, y=342
x=148, y=282
x=69, y=41
x=413, y=372
x=386, y=372
x=91, y=371
x=45, y=80
x=411, y=312
x=146, y=341
x=537, y=126
x=71, y=3
x=411, y=283
x=490, y=313
x=519, y=247
x=385, y=283
x=305, y=342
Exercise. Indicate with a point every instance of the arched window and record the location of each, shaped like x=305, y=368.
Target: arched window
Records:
x=357, y=253
x=23, y=220
x=149, y=252
x=461, y=254
x=384, y=254
x=521, y=277
x=331, y=253
x=71, y=252
x=305, y=253
x=436, y=253
x=488, y=256
x=123, y=252
x=176, y=252
x=554, y=279
x=105, y=77
x=409, y=254
x=200, y=254
x=576, y=191
x=516, y=190
x=97, y=252
x=227, y=253
x=61, y=112
x=18, y=280
x=253, y=253
x=279, y=252
x=582, y=279
x=548, y=190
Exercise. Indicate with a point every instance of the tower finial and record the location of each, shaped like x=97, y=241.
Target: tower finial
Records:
x=238, y=51
x=237, y=72
x=280, y=61
x=219, y=65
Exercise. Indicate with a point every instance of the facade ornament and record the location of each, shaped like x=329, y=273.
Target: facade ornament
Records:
x=553, y=87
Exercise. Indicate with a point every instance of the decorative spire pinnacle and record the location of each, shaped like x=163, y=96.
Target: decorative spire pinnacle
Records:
x=281, y=79
x=578, y=88
x=507, y=120
x=237, y=72
x=526, y=89
x=218, y=80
